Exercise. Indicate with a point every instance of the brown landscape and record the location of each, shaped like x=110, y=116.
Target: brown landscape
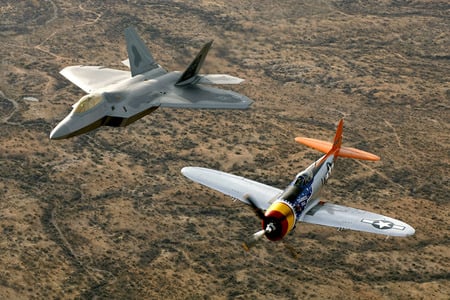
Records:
x=108, y=215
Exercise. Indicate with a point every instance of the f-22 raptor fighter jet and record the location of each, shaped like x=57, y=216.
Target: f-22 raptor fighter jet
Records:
x=118, y=98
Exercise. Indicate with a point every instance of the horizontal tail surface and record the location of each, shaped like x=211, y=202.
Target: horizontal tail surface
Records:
x=327, y=147
x=219, y=79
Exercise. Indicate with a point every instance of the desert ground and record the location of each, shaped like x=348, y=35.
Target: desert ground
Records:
x=108, y=215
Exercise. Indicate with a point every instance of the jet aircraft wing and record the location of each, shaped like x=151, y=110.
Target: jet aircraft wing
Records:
x=92, y=78
x=198, y=96
x=233, y=186
x=355, y=219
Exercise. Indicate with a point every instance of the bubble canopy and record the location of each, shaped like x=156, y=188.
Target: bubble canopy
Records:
x=87, y=102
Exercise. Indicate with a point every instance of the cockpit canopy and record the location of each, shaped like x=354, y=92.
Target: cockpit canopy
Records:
x=87, y=102
x=303, y=179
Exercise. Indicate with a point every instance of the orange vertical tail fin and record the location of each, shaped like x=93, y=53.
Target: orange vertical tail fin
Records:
x=337, y=142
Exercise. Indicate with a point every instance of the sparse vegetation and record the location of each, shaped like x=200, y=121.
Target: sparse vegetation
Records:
x=109, y=214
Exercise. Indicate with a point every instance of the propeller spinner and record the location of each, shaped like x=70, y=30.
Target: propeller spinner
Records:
x=277, y=221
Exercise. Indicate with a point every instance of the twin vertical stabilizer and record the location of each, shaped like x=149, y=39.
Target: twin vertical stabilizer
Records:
x=140, y=58
x=140, y=61
x=189, y=76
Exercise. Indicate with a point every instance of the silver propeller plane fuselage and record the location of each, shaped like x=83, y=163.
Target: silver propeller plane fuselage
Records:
x=118, y=98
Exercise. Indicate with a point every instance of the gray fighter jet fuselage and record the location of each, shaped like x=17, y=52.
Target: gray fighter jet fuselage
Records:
x=118, y=98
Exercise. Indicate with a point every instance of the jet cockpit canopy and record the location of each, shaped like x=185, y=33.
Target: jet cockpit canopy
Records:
x=87, y=103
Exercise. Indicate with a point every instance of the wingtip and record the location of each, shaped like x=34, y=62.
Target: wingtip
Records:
x=410, y=230
x=185, y=170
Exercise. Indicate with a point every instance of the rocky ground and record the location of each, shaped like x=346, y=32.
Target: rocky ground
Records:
x=109, y=215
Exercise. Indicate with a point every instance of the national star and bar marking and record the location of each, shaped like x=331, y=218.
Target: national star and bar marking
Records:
x=383, y=224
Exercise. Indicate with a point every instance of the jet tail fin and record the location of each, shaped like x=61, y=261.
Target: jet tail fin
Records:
x=190, y=75
x=336, y=148
x=140, y=58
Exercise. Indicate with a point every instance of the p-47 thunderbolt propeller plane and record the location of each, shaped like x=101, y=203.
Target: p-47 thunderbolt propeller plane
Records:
x=118, y=98
x=281, y=210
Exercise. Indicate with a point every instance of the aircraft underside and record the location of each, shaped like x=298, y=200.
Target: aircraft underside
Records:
x=122, y=122
x=112, y=122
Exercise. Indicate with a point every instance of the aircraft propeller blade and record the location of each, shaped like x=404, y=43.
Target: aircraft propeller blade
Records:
x=258, y=211
x=250, y=242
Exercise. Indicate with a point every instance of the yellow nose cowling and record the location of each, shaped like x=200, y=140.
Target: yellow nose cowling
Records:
x=282, y=217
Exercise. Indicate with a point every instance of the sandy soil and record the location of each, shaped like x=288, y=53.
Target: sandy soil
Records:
x=109, y=215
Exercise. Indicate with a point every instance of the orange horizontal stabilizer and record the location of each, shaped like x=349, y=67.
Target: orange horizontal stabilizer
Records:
x=325, y=147
x=357, y=154
x=319, y=145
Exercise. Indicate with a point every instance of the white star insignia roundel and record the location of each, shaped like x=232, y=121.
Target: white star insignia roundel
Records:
x=380, y=224
x=383, y=224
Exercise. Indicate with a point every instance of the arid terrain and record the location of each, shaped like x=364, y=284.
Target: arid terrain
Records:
x=108, y=215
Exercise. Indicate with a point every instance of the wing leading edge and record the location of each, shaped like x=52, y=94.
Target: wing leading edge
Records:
x=233, y=186
x=92, y=78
